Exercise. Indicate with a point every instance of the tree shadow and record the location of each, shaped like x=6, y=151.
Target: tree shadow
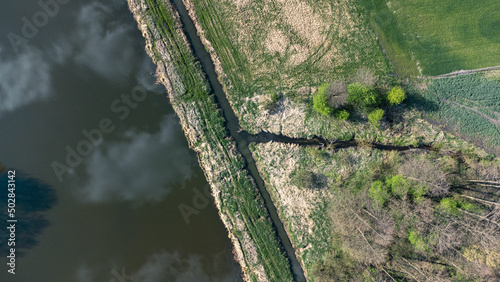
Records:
x=421, y=103
x=32, y=198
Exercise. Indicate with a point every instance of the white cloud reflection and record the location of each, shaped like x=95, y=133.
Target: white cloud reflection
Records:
x=167, y=266
x=140, y=169
x=162, y=266
x=99, y=41
x=105, y=46
x=23, y=79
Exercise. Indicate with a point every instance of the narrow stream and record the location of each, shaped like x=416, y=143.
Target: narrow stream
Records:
x=315, y=141
x=232, y=124
x=243, y=138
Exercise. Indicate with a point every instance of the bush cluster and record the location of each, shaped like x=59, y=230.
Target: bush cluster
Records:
x=339, y=99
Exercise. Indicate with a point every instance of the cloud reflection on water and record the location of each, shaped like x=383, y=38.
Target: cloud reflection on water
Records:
x=23, y=79
x=140, y=169
x=161, y=266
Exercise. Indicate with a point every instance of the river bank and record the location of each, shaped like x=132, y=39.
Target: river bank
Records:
x=236, y=196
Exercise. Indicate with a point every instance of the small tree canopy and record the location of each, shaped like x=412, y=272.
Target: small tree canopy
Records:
x=399, y=185
x=375, y=117
x=361, y=95
x=342, y=115
x=303, y=178
x=377, y=193
x=320, y=101
x=396, y=95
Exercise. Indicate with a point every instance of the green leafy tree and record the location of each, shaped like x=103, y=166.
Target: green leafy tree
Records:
x=342, y=115
x=449, y=206
x=361, y=95
x=378, y=193
x=375, y=117
x=396, y=95
x=399, y=185
x=320, y=101
x=417, y=241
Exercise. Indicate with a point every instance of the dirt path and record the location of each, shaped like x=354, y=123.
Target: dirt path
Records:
x=462, y=72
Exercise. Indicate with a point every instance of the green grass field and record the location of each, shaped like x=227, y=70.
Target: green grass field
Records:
x=437, y=37
x=282, y=45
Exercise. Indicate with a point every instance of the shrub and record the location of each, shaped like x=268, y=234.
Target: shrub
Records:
x=417, y=241
x=303, y=178
x=418, y=191
x=336, y=266
x=342, y=115
x=396, y=95
x=470, y=207
x=271, y=102
x=320, y=101
x=375, y=117
x=361, y=95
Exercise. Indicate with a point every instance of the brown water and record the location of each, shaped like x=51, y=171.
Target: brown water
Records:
x=119, y=198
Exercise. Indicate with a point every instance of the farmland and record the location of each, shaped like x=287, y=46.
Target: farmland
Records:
x=468, y=105
x=268, y=46
x=432, y=37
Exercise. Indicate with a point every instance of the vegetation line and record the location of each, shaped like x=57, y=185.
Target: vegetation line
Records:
x=232, y=124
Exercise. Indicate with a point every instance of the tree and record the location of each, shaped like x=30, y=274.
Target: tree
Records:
x=303, y=178
x=398, y=185
x=365, y=76
x=342, y=115
x=364, y=233
x=375, y=117
x=337, y=94
x=361, y=95
x=396, y=95
x=378, y=193
x=271, y=101
x=320, y=101
x=428, y=173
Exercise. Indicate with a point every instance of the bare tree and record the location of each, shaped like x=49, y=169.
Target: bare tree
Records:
x=365, y=233
x=337, y=94
x=445, y=237
x=484, y=172
x=428, y=173
x=365, y=76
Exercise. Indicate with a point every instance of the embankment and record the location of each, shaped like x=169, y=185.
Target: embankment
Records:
x=241, y=206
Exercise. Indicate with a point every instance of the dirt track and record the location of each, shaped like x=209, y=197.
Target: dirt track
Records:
x=462, y=72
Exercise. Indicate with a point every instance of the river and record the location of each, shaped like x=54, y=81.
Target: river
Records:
x=80, y=116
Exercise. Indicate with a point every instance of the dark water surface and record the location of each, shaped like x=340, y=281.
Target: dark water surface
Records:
x=69, y=75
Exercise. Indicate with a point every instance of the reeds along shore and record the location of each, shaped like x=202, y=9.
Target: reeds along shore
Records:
x=240, y=206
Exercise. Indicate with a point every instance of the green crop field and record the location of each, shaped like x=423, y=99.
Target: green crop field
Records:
x=432, y=37
x=468, y=105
